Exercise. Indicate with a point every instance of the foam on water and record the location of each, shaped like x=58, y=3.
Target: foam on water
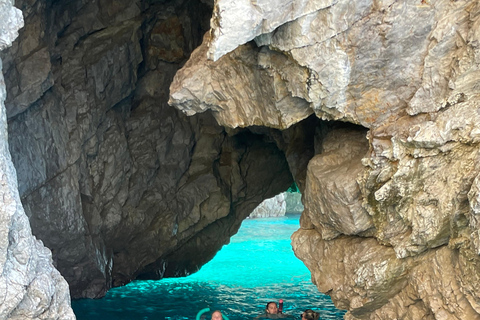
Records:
x=256, y=267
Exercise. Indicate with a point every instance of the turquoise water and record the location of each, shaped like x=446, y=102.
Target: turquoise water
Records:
x=256, y=267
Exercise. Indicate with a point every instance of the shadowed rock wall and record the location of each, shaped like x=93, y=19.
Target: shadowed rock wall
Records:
x=118, y=184
x=390, y=228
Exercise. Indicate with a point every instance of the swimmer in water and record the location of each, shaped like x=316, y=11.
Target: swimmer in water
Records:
x=271, y=312
x=271, y=308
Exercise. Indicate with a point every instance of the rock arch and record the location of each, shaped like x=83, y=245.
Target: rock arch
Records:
x=374, y=103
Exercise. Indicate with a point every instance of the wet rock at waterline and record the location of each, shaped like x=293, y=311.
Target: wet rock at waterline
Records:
x=389, y=228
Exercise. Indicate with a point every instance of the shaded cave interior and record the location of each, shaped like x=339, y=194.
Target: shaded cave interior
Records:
x=116, y=183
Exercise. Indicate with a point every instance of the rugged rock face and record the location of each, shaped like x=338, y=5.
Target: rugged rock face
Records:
x=272, y=207
x=116, y=183
x=390, y=228
x=30, y=286
x=371, y=107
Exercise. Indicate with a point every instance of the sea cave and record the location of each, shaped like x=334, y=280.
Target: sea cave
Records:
x=136, y=136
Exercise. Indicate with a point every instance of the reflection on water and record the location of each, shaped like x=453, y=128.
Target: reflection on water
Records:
x=256, y=267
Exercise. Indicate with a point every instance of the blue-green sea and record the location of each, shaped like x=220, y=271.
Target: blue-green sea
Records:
x=256, y=267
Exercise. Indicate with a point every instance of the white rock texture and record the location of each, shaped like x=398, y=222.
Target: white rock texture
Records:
x=236, y=22
x=30, y=286
x=12, y=20
x=278, y=206
x=271, y=207
x=391, y=222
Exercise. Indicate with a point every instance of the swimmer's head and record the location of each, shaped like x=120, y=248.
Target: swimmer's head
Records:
x=217, y=315
x=272, y=307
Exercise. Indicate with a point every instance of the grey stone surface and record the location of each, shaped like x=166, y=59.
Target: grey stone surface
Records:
x=278, y=206
x=116, y=183
x=30, y=286
x=236, y=84
x=272, y=207
x=294, y=203
x=12, y=20
x=332, y=196
x=401, y=197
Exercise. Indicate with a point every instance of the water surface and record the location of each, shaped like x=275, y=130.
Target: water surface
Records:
x=256, y=267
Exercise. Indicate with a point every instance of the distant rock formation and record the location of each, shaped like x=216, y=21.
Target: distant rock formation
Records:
x=278, y=206
x=294, y=202
x=272, y=207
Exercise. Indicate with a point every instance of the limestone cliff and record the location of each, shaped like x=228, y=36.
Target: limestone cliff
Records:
x=371, y=107
x=278, y=206
x=391, y=222
x=272, y=207
x=30, y=286
x=116, y=183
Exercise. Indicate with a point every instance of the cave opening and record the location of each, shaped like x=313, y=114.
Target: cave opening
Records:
x=114, y=181
x=257, y=266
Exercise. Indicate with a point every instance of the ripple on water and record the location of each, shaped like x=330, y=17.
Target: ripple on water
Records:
x=256, y=267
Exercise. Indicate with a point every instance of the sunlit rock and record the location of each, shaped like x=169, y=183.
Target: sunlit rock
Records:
x=420, y=179
x=234, y=87
x=334, y=47
x=369, y=273
x=30, y=286
x=408, y=73
x=236, y=22
x=12, y=21
x=272, y=207
x=376, y=284
x=120, y=185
